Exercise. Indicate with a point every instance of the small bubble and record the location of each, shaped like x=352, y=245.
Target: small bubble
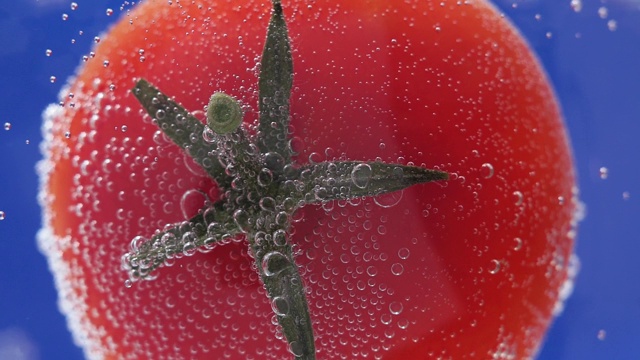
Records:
x=52, y=79
x=518, y=197
x=576, y=5
x=604, y=173
x=3, y=215
x=602, y=334
x=7, y=126
x=518, y=244
x=612, y=25
x=274, y=263
x=280, y=238
x=389, y=199
x=67, y=134
x=360, y=175
x=403, y=253
x=372, y=271
x=74, y=5
x=487, y=170
x=603, y=12
x=280, y=306
x=296, y=349
x=48, y=52
x=626, y=195
x=495, y=267
x=96, y=39
x=65, y=17
x=128, y=284
x=538, y=17
x=396, y=308
x=105, y=63
x=109, y=12
x=549, y=34
x=397, y=269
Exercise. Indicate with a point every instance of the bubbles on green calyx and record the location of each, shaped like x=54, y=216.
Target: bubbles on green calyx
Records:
x=361, y=175
x=224, y=113
x=280, y=306
x=274, y=262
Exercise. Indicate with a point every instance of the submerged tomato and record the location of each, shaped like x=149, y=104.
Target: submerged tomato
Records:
x=470, y=268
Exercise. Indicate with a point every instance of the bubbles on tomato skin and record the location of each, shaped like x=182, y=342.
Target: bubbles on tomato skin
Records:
x=495, y=266
x=487, y=170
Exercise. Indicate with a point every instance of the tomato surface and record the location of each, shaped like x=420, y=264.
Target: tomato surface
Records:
x=469, y=268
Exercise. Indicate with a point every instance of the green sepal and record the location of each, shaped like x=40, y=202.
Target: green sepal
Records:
x=328, y=181
x=182, y=128
x=281, y=279
x=210, y=227
x=274, y=84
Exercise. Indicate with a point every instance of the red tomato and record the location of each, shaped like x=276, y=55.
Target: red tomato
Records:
x=470, y=268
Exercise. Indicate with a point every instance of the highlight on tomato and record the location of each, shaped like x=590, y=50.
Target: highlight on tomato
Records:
x=310, y=180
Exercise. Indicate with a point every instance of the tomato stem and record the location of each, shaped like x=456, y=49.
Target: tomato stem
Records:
x=262, y=185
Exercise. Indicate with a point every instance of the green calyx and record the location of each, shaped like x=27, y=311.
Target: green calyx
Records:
x=263, y=187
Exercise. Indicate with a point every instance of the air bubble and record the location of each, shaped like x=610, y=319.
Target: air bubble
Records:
x=280, y=306
x=397, y=269
x=296, y=349
x=604, y=173
x=495, y=267
x=518, y=197
x=487, y=170
x=603, y=12
x=3, y=215
x=389, y=200
x=207, y=134
x=52, y=79
x=105, y=63
x=191, y=202
x=7, y=126
x=109, y=12
x=404, y=253
x=576, y=5
x=518, y=244
x=74, y=6
x=280, y=238
x=360, y=175
x=396, y=308
x=242, y=219
x=274, y=262
x=48, y=52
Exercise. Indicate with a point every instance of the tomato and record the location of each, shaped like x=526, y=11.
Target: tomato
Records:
x=468, y=268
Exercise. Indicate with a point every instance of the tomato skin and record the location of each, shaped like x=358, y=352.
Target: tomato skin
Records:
x=448, y=86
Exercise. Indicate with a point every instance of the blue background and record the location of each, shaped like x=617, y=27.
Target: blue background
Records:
x=596, y=73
